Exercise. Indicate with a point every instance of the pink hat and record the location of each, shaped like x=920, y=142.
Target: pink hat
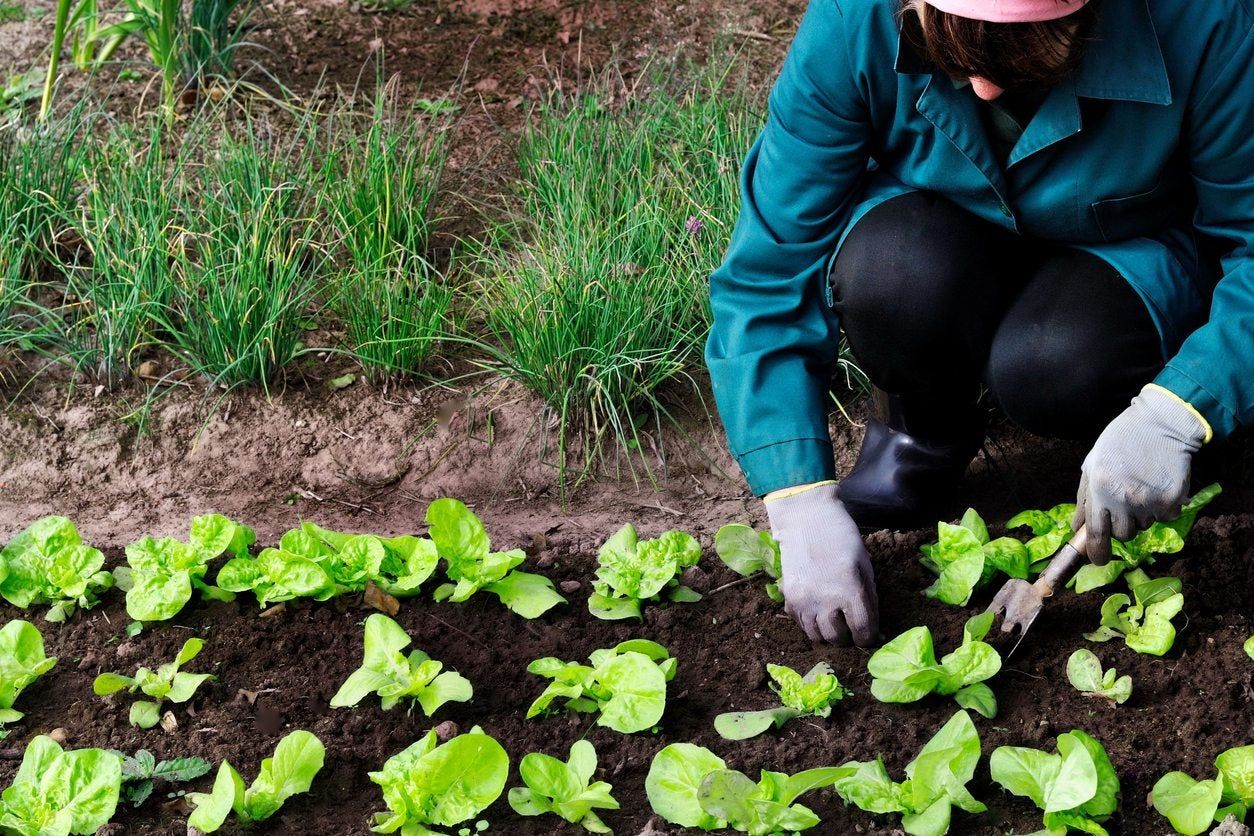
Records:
x=1009, y=11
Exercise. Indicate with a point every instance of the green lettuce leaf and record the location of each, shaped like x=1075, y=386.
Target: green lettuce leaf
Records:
x=277, y=575
x=906, y=670
x=747, y=552
x=1084, y=672
x=461, y=539
x=1144, y=620
x=935, y=781
x=626, y=684
x=631, y=571
x=22, y=661
x=166, y=683
x=297, y=760
x=965, y=559
x=388, y=672
x=442, y=785
x=48, y=564
x=1076, y=788
x=673, y=785
x=800, y=696
x=61, y=792
x=564, y=789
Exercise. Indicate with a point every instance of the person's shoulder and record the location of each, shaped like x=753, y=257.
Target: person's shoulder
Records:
x=861, y=19
x=1189, y=14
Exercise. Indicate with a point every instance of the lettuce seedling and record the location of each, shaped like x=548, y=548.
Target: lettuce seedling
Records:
x=626, y=684
x=141, y=771
x=1193, y=807
x=22, y=661
x=1249, y=647
x=49, y=564
x=564, y=789
x=690, y=786
x=394, y=676
x=631, y=571
x=765, y=808
x=440, y=785
x=747, y=552
x=161, y=574
x=673, y=785
x=297, y=760
x=936, y=781
x=165, y=683
x=1050, y=530
x=1084, y=672
x=60, y=792
x=811, y=695
x=405, y=563
x=1077, y=788
x=277, y=575
x=906, y=670
x=1144, y=620
x=965, y=559
x=1159, y=538
x=462, y=541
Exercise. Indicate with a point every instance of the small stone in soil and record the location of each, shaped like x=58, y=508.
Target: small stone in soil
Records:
x=446, y=731
x=570, y=587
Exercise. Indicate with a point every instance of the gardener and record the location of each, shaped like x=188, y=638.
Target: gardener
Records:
x=1053, y=198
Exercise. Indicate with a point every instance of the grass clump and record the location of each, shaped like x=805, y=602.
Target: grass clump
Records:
x=248, y=264
x=120, y=293
x=381, y=186
x=596, y=291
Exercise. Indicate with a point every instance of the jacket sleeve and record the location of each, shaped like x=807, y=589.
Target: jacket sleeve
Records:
x=774, y=342
x=1214, y=368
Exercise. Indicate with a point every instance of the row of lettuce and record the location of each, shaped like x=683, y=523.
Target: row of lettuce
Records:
x=434, y=784
x=626, y=686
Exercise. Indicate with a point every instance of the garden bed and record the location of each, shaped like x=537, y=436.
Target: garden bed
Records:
x=278, y=673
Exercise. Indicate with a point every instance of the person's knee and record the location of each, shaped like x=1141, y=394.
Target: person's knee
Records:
x=1050, y=386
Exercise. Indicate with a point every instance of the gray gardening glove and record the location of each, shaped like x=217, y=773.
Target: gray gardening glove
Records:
x=1138, y=471
x=828, y=582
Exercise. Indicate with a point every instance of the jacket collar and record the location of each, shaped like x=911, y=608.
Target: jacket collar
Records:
x=1124, y=61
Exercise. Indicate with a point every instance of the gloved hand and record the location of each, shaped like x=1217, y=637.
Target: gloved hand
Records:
x=1138, y=471
x=828, y=582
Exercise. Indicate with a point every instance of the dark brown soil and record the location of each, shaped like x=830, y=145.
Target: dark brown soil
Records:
x=1186, y=708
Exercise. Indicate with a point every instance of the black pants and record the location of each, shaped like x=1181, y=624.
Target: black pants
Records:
x=935, y=301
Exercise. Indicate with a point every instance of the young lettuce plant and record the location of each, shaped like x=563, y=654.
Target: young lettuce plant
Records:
x=1194, y=807
x=631, y=571
x=277, y=575
x=747, y=552
x=626, y=684
x=1159, y=538
x=60, y=792
x=165, y=683
x=22, y=661
x=297, y=760
x=462, y=541
x=1084, y=672
x=1050, y=530
x=49, y=564
x=965, y=559
x=906, y=670
x=405, y=564
x=1144, y=620
x=1077, y=788
x=161, y=574
x=936, y=781
x=388, y=672
x=1249, y=647
x=430, y=785
x=811, y=695
x=564, y=789
x=692, y=787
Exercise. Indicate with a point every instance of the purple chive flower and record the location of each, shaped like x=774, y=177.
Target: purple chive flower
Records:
x=693, y=225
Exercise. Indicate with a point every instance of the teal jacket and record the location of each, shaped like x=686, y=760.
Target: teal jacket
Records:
x=1148, y=145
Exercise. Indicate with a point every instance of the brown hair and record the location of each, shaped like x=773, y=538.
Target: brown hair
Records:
x=1007, y=54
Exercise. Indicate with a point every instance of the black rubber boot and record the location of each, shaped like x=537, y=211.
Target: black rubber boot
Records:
x=904, y=475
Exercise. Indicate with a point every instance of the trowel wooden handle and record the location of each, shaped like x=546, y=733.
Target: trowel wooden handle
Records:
x=1063, y=565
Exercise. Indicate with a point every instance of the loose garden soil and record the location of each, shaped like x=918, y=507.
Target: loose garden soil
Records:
x=367, y=458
